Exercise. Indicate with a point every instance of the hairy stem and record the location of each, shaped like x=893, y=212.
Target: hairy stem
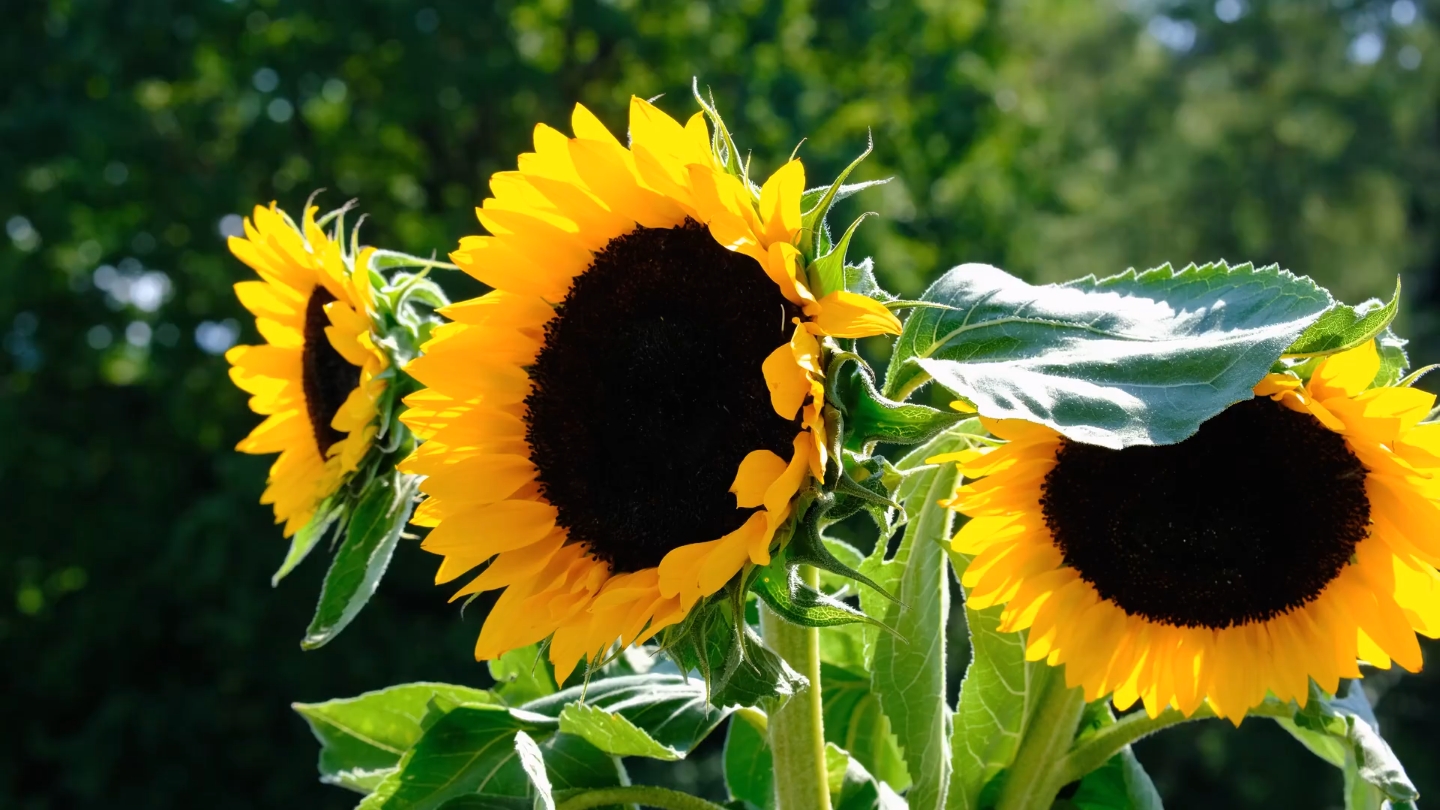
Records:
x=1035, y=777
x=643, y=795
x=1098, y=748
x=797, y=732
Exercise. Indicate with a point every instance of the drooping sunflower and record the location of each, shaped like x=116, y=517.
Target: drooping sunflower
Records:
x=623, y=423
x=316, y=377
x=1296, y=533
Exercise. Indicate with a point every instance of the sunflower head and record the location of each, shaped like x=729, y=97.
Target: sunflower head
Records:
x=1290, y=539
x=627, y=422
x=326, y=376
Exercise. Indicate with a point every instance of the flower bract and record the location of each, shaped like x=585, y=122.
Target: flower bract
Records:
x=1293, y=536
x=624, y=422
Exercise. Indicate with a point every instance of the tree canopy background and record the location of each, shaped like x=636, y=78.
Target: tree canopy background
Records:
x=149, y=662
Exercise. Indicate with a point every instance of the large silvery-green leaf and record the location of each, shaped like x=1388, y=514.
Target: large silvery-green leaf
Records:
x=1138, y=358
x=364, y=736
x=370, y=539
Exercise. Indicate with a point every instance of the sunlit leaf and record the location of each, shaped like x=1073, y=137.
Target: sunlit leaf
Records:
x=1138, y=358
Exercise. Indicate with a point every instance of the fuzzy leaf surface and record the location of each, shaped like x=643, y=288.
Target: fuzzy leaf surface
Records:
x=1134, y=359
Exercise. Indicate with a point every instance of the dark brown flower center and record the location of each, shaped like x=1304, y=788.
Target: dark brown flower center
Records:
x=648, y=393
x=1248, y=519
x=327, y=377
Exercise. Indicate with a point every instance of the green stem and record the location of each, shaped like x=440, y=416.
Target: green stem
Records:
x=1097, y=749
x=1035, y=777
x=644, y=795
x=797, y=731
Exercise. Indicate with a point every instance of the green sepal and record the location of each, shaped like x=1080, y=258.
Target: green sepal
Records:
x=721, y=143
x=862, y=486
x=812, y=221
x=739, y=670
x=780, y=586
x=860, y=278
x=1344, y=327
x=808, y=547
x=872, y=417
x=827, y=273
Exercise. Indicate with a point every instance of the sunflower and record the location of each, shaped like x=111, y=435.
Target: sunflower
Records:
x=1292, y=536
x=621, y=425
x=316, y=376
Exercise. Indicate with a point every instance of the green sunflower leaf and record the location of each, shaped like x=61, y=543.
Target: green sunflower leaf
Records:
x=522, y=675
x=855, y=722
x=613, y=733
x=532, y=762
x=1344, y=327
x=363, y=738
x=670, y=710
x=472, y=757
x=852, y=787
x=1120, y=784
x=370, y=538
x=1138, y=358
x=909, y=665
x=1373, y=774
x=748, y=764
x=997, y=697
x=470, y=750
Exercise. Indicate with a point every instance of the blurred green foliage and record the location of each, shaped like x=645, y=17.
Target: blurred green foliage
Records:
x=148, y=662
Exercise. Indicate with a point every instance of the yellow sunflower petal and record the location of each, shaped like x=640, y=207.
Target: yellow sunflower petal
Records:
x=846, y=314
x=757, y=472
x=1347, y=373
